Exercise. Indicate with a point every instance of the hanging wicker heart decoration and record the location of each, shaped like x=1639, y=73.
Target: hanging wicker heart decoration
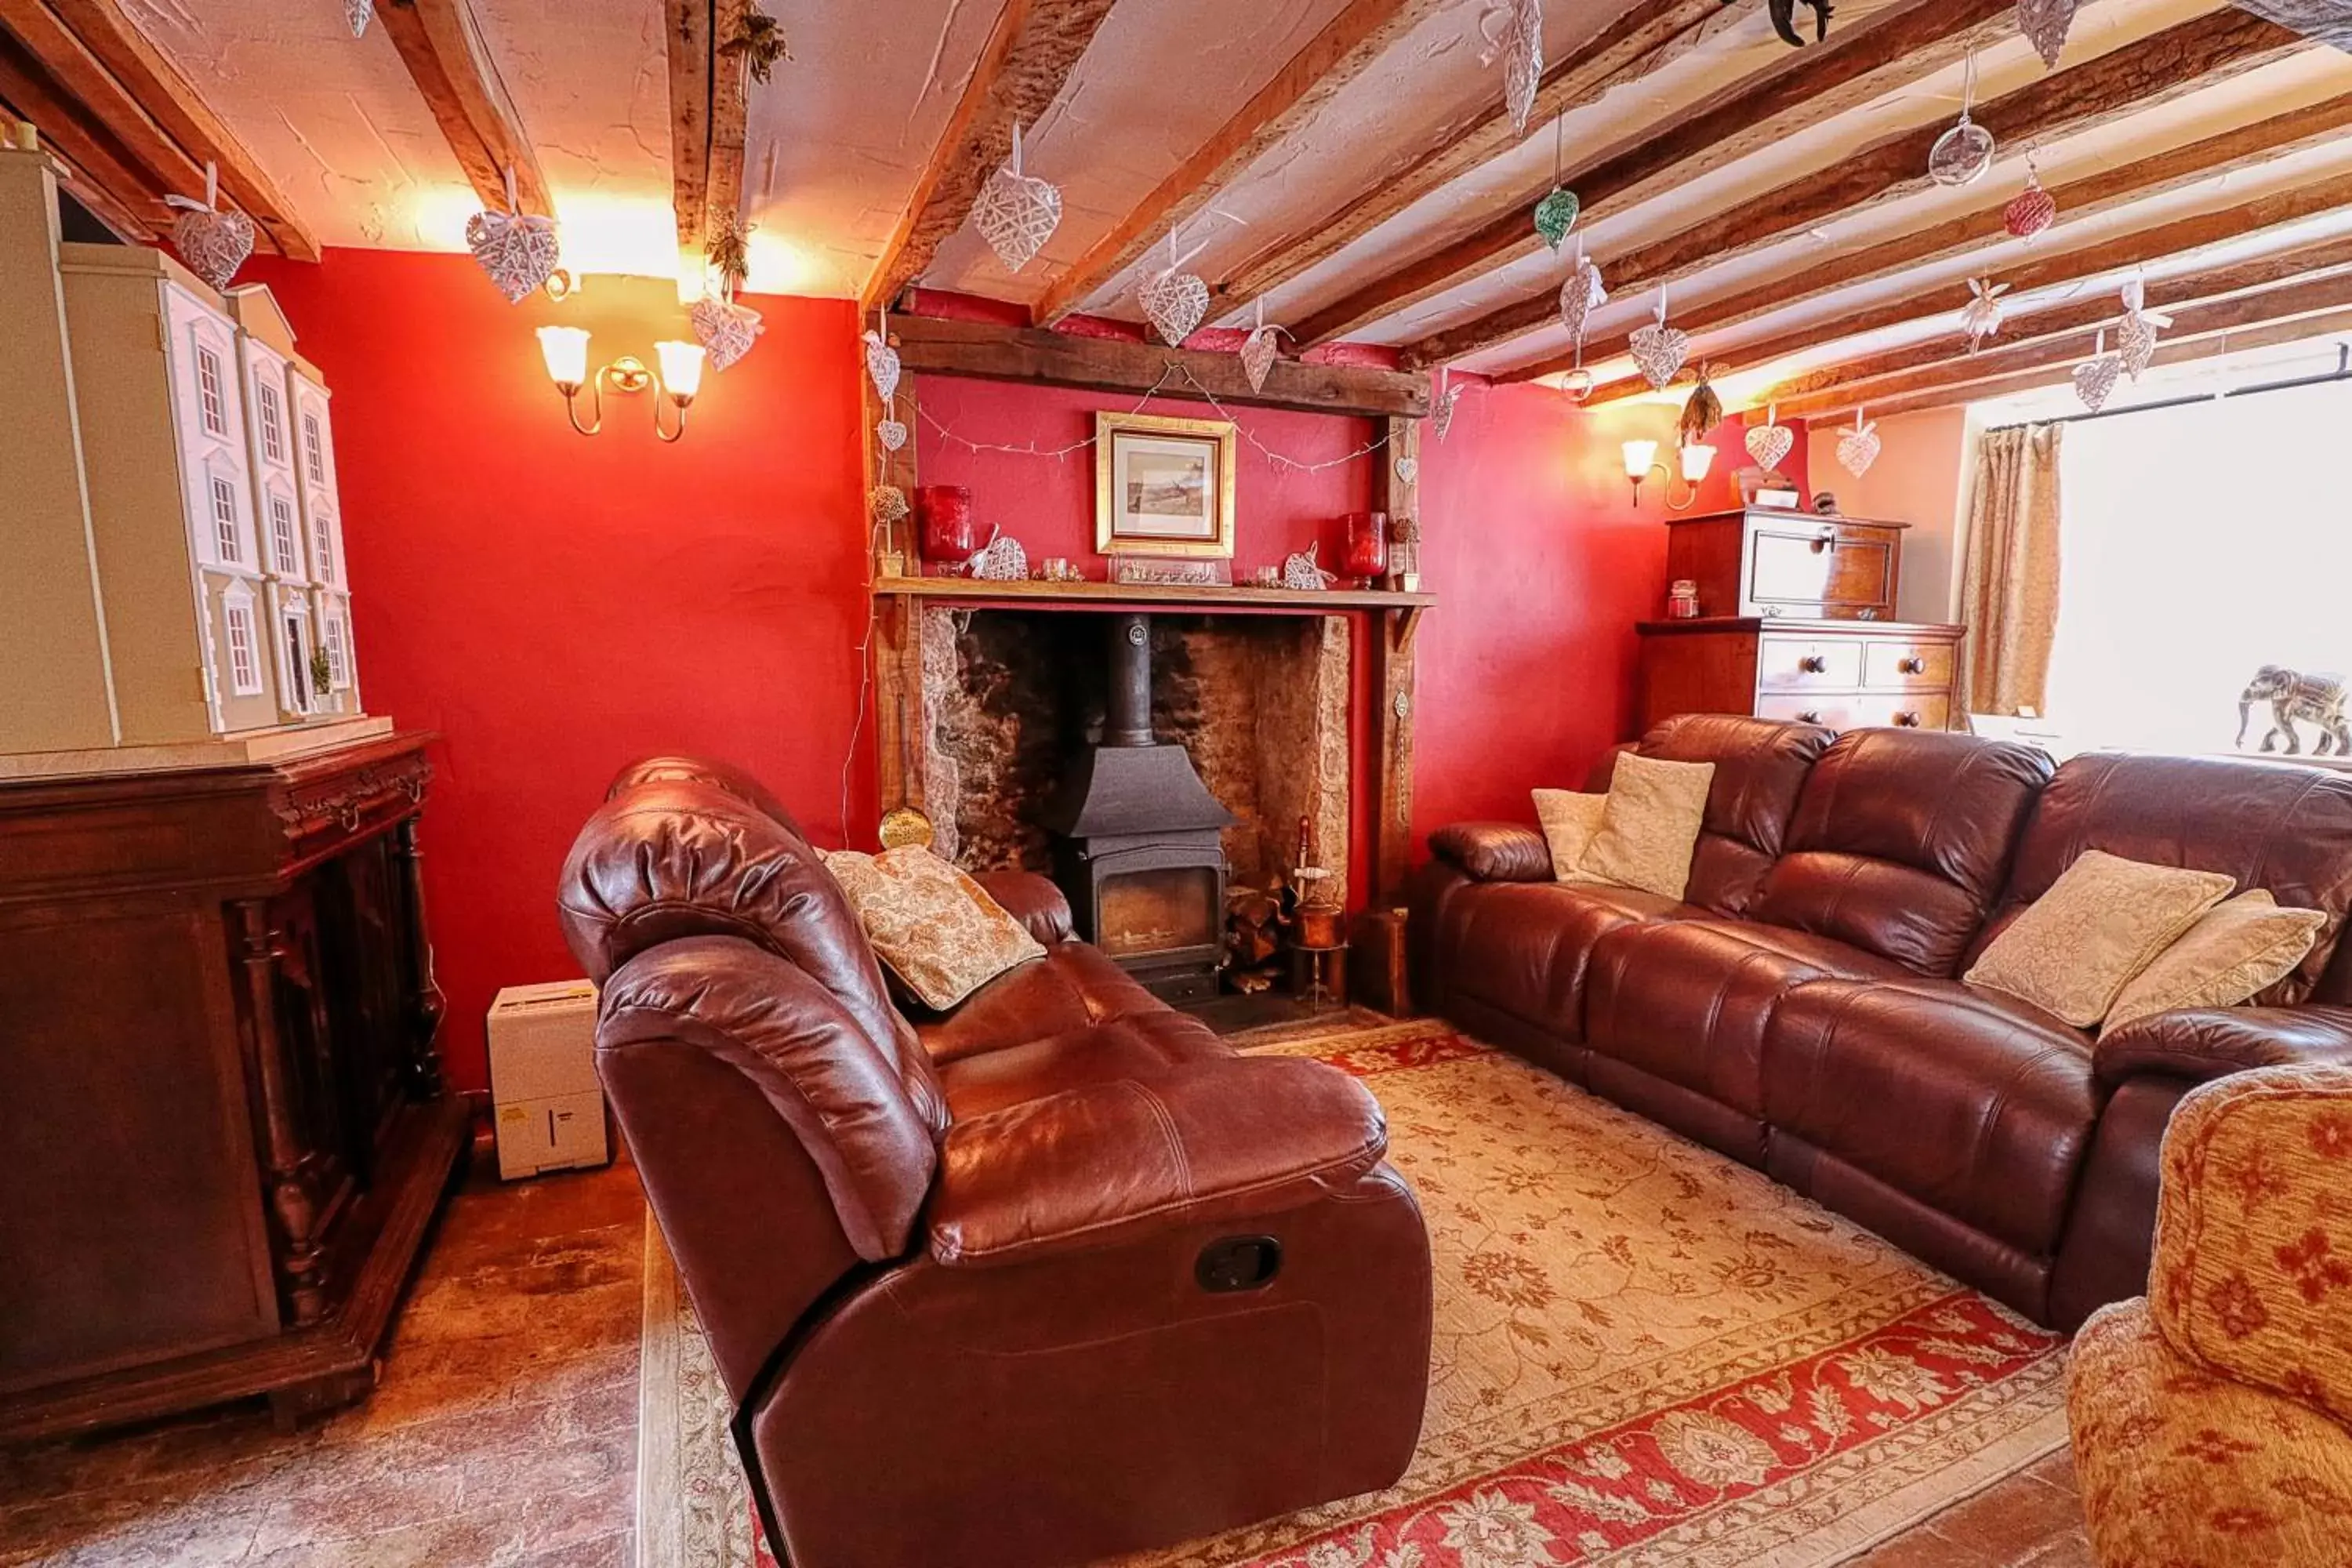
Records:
x=724, y=329
x=1441, y=418
x=359, y=13
x=1002, y=560
x=2094, y=380
x=2045, y=24
x=2135, y=343
x=1660, y=350
x=882, y=366
x=1767, y=444
x=1175, y=303
x=1257, y=357
x=1016, y=215
x=1407, y=469
x=518, y=250
x=1299, y=571
x=1580, y=296
x=2030, y=211
x=891, y=433
x=1556, y=215
x=1514, y=33
x=1858, y=448
x=213, y=243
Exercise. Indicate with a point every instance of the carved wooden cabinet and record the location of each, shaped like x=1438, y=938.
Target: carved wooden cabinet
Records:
x=222, y=1121
x=1769, y=562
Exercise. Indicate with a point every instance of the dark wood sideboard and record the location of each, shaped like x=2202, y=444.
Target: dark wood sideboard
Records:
x=224, y=1134
x=1796, y=621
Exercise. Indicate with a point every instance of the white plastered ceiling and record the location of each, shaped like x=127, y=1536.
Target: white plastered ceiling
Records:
x=839, y=139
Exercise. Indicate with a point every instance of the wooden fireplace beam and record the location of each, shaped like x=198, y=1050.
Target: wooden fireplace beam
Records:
x=443, y=48
x=2243, y=148
x=1028, y=56
x=2138, y=76
x=1801, y=87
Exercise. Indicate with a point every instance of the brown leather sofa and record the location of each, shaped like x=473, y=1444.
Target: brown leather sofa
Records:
x=1800, y=1009
x=1052, y=1276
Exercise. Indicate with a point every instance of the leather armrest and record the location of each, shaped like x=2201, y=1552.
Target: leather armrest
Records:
x=1032, y=900
x=1494, y=851
x=1109, y=1163
x=2200, y=1043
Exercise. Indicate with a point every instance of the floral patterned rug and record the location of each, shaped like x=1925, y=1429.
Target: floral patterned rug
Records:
x=1645, y=1354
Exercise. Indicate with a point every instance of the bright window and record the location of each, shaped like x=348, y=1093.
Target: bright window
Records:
x=213, y=413
x=243, y=667
x=225, y=520
x=281, y=535
x=323, y=546
x=2197, y=544
x=339, y=667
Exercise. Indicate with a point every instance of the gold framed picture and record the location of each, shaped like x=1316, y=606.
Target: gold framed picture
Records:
x=1163, y=486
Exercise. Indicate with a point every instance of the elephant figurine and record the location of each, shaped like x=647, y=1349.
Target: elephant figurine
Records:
x=2315, y=698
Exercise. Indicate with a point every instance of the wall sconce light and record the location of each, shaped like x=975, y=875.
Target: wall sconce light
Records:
x=1642, y=461
x=565, y=350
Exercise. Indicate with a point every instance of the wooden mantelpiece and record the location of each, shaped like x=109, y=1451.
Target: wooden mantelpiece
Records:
x=902, y=735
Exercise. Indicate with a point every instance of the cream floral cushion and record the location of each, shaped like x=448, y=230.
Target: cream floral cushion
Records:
x=1569, y=821
x=1650, y=825
x=2239, y=949
x=937, y=929
x=2103, y=920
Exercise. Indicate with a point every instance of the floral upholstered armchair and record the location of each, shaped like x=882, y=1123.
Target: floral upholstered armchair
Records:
x=2212, y=1420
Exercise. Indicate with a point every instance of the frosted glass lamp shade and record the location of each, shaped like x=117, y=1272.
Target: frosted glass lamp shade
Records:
x=681, y=369
x=565, y=349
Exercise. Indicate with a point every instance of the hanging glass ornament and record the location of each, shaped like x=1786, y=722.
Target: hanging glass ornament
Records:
x=1015, y=213
x=1556, y=214
x=1578, y=382
x=1441, y=413
x=1769, y=442
x=1513, y=31
x=1858, y=447
x=881, y=359
x=1962, y=154
x=518, y=250
x=1658, y=348
x=2045, y=24
x=358, y=14
x=2095, y=378
x=2135, y=334
x=1174, y=301
x=1258, y=350
x=2032, y=210
x=212, y=243
x=1980, y=317
x=1581, y=295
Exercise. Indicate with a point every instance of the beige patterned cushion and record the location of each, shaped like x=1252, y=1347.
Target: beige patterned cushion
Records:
x=2239, y=948
x=2104, y=920
x=2253, y=1233
x=939, y=932
x=1650, y=824
x=1569, y=821
x=2181, y=1466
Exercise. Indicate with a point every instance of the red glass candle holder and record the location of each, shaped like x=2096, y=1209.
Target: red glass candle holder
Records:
x=949, y=536
x=1364, y=544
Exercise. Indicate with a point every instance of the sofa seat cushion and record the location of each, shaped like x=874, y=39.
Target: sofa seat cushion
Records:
x=1140, y=1048
x=1523, y=947
x=1688, y=1002
x=1073, y=986
x=1974, y=1103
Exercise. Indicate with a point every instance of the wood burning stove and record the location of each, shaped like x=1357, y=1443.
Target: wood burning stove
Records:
x=1139, y=851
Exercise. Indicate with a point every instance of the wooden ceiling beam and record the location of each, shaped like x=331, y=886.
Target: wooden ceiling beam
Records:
x=1029, y=55
x=685, y=24
x=2060, y=370
x=105, y=177
x=1649, y=35
x=160, y=115
x=1801, y=87
x=1359, y=35
x=2241, y=148
x=443, y=49
x=1872, y=383
x=2137, y=77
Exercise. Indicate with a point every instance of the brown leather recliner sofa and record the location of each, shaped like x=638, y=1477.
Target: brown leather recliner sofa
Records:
x=1052, y=1276
x=1800, y=1009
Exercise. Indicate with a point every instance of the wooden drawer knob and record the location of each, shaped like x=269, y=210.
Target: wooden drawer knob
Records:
x=1813, y=663
x=1906, y=720
x=1912, y=664
x=1809, y=716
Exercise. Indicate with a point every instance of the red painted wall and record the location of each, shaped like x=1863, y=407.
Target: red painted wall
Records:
x=557, y=606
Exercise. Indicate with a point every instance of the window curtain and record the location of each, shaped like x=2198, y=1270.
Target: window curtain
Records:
x=2009, y=581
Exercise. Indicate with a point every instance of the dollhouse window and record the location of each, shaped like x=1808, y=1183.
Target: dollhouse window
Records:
x=281, y=535
x=208, y=392
x=298, y=661
x=314, y=449
x=225, y=520
x=273, y=424
x=339, y=665
x=244, y=666
x=323, y=546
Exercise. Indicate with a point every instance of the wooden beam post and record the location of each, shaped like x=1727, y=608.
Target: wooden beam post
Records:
x=442, y=48
x=1029, y=55
x=1393, y=676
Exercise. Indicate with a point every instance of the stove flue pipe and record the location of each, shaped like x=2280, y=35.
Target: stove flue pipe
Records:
x=1127, y=717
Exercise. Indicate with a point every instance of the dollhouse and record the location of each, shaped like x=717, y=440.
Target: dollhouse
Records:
x=179, y=517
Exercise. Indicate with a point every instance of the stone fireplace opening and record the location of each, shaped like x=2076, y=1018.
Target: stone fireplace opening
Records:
x=1022, y=713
